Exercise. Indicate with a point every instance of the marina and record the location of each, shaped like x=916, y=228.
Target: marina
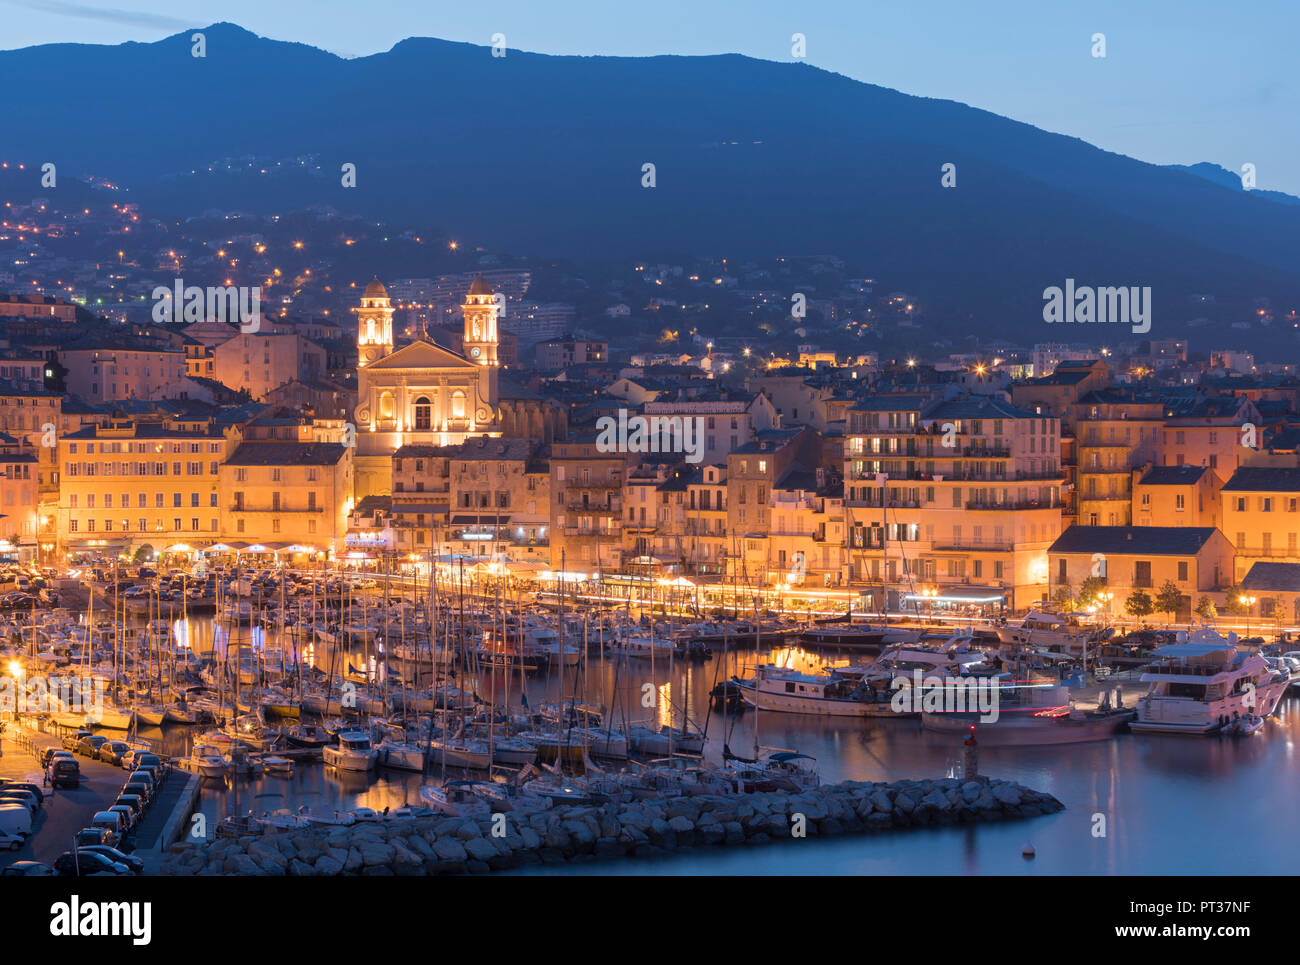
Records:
x=338, y=710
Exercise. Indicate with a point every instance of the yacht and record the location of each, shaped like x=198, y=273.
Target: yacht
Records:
x=1046, y=631
x=1029, y=713
x=1206, y=685
x=828, y=695
x=456, y=798
x=208, y=761
x=352, y=753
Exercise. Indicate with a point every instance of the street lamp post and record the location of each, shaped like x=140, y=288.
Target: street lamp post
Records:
x=1247, y=602
x=1106, y=596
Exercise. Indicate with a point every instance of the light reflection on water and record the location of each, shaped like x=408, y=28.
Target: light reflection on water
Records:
x=1173, y=805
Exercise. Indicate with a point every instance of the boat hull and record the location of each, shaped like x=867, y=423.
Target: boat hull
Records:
x=1027, y=730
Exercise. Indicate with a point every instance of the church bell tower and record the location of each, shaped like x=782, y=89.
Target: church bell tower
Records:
x=480, y=309
x=374, y=325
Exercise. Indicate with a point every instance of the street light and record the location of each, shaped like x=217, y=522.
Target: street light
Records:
x=1106, y=596
x=1247, y=602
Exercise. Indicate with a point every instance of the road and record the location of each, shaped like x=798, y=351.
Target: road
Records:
x=66, y=810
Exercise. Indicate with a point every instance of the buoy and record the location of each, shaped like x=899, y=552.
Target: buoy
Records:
x=1028, y=850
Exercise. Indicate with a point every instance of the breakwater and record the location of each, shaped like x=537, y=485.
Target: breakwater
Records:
x=436, y=845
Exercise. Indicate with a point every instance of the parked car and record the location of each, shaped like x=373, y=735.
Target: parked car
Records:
x=134, y=757
x=63, y=772
x=137, y=802
x=71, y=741
x=15, y=819
x=141, y=785
x=19, y=796
x=25, y=786
x=133, y=863
x=89, y=746
x=27, y=869
x=112, y=751
x=129, y=817
x=94, y=836
x=11, y=842
x=82, y=864
x=111, y=821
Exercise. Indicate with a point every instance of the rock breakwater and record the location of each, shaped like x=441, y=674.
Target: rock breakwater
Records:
x=436, y=845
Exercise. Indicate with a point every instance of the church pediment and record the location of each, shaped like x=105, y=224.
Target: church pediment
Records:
x=422, y=355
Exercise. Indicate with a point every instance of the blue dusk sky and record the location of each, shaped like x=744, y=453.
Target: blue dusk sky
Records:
x=1182, y=82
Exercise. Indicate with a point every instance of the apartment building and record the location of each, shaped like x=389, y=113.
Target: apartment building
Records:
x=753, y=472
x=292, y=497
x=691, y=532
x=1260, y=507
x=19, y=498
x=722, y=422
x=1115, y=433
x=1176, y=496
x=127, y=484
x=263, y=362
x=958, y=496
x=1210, y=432
x=421, y=498
x=500, y=499
x=104, y=370
x=1196, y=559
x=586, y=506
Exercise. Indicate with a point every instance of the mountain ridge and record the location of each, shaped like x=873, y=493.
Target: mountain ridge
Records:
x=543, y=154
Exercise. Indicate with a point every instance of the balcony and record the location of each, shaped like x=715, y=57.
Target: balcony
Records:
x=279, y=510
x=1019, y=504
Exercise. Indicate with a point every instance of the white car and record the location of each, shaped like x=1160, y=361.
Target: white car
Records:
x=11, y=842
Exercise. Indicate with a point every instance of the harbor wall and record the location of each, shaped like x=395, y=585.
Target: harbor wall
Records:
x=651, y=828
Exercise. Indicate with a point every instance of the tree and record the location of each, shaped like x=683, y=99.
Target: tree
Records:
x=1139, y=604
x=1064, y=597
x=1205, y=608
x=1089, y=589
x=1169, y=599
x=1233, y=602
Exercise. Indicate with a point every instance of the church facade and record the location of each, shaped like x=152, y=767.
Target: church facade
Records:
x=421, y=393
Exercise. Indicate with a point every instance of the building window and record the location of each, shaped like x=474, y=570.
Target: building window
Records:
x=423, y=413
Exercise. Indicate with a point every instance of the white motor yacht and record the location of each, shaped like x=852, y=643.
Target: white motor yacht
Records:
x=1206, y=685
x=352, y=753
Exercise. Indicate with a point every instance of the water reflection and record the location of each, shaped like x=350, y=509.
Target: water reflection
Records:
x=1173, y=805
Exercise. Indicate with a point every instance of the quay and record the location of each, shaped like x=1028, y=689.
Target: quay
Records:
x=439, y=845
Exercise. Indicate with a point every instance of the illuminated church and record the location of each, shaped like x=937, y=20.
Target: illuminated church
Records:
x=425, y=394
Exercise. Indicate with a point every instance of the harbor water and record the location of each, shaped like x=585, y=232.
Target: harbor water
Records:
x=1164, y=805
